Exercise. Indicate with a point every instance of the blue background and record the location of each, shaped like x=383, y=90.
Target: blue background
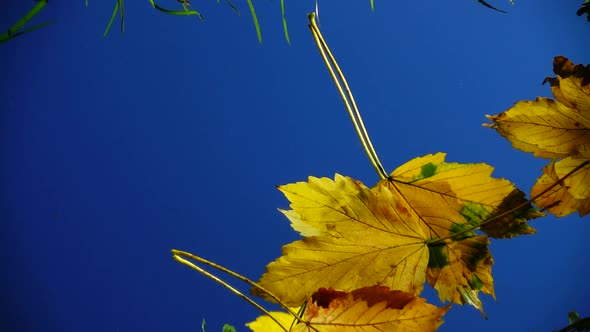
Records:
x=175, y=133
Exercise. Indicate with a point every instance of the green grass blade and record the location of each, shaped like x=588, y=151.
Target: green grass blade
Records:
x=373, y=5
x=122, y=8
x=177, y=12
x=285, y=22
x=255, y=19
x=490, y=6
x=232, y=6
x=14, y=29
x=20, y=33
x=106, y=31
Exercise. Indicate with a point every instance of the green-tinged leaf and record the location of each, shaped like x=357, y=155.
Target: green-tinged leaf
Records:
x=577, y=323
x=390, y=235
x=573, y=317
x=481, y=196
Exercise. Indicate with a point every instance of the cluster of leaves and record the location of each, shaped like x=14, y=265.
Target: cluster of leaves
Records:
x=381, y=244
x=367, y=252
x=560, y=130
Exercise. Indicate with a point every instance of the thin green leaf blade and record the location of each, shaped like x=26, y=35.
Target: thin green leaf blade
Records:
x=184, y=12
x=13, y=30
x=490, y=6
x=255, y=19
x=232, y=6
x=106, y=31
x=285, y=28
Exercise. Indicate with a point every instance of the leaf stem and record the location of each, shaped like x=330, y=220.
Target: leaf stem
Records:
x=347, y=98
x=501, y=215
x=178, y=256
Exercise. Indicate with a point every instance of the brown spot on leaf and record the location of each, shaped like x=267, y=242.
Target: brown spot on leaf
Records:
x=324, y=296
x=372, y=295
x=401, y=210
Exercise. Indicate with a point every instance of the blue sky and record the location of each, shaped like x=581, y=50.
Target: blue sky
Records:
x=175, y=134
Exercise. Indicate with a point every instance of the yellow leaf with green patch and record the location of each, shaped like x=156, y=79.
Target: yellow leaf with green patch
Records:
x=481, y=197
x=416, y=226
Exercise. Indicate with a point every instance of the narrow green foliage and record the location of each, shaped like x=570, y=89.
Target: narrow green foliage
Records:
x=285, y=22
x=14, y=32
x=255, y=19
x=372, y=5
x=184, y=12
x=490, y=6
x=232, y=6
x=118, y=5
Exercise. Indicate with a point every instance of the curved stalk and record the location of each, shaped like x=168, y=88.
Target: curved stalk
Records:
x=347, y=98
x=178, y=256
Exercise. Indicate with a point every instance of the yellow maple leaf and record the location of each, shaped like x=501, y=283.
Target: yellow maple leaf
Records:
x=571, y=194
x=267, y=324
x=374, y=308
x=480, y=196
x=362, y=242
x=555, y=129
x=391, y=234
